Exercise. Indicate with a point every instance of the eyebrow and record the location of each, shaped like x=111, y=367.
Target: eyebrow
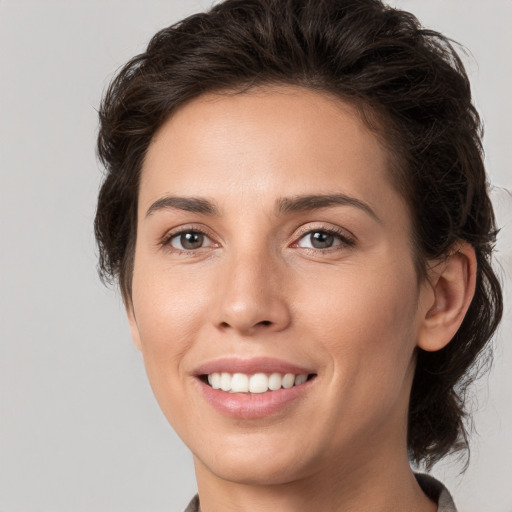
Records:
x=188, y=204
x=283, y=205
x=318, y=201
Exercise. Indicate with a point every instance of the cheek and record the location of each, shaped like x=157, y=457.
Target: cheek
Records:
x=367, y=331
x=366, y=322
x=360, y=299
x=169, y=309
x=168, y=312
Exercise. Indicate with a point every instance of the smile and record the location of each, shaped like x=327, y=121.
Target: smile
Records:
x=254, y=383
x=253, y=388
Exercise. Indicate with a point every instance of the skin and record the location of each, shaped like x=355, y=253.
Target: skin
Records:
x=355, y=312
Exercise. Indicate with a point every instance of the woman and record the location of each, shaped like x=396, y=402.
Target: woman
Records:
x=296, y=210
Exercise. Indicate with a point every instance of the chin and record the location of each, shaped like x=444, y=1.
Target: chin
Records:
x=254, y=474
x=255, y=466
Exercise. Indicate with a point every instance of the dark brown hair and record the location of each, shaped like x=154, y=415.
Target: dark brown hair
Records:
x=411, y=88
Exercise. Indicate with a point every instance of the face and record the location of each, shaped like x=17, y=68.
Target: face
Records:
x=273, y=261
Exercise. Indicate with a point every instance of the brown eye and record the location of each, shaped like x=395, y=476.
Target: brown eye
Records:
x=323, y=239
x=189, y=240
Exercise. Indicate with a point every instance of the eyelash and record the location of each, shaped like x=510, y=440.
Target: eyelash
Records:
x=344, y=239
x=167, y=240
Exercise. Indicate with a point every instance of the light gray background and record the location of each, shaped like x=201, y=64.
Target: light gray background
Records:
x=79, y=427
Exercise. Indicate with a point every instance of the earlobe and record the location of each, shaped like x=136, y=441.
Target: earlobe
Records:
x=452, y=282
x=134, y=328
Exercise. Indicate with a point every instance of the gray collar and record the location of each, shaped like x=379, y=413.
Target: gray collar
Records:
x=436, y=491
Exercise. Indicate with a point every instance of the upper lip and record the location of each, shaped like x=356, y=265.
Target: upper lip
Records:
x=250, y=366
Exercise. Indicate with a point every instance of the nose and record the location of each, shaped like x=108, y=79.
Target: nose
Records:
x=250, y=296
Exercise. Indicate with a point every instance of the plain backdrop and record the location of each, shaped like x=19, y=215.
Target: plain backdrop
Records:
x=79, y=427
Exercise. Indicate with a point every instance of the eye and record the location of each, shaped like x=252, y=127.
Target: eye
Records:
x=189, y=240
x=322, y=239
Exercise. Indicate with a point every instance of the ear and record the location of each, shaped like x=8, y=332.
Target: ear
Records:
x=452, y=286
x=132, y=321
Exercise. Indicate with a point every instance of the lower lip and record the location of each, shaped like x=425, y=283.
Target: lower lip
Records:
x=255, y=405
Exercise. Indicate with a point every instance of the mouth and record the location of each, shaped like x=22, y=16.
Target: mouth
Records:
x=255, y=383
x=254, y=388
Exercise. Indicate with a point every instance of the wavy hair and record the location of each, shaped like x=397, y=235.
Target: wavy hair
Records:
x=410, y=86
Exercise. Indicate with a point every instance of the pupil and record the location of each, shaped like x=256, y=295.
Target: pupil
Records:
x=191, y=240
x=320, y=240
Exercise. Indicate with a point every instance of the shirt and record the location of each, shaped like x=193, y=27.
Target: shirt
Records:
x=433, y=488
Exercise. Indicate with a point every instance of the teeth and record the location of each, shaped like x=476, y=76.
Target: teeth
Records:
x=225, y=382
x=215, y=383
x=255, y=383
x=300, y=379
x=258, y=383
x=239, y=383
x=275, y=381
x=288, y=380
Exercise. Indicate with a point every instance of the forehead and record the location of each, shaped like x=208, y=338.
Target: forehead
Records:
x=265, y=143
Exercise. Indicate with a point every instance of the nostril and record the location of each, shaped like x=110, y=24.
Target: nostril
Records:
x=265, y=322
